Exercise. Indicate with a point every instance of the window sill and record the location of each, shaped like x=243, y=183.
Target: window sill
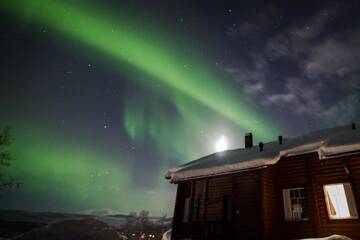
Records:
x=342, y=219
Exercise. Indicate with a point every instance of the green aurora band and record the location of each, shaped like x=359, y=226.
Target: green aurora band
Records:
x=194, y=93
x=70, y=176
x=149, y=55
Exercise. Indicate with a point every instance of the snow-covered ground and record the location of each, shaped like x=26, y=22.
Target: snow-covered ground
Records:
x=332, y=237
x=88, y=228
x=167, y=235
x=114, y=220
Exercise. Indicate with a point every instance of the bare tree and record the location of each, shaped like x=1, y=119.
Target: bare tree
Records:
x=163, y=219
x=144, y=218
x=6, y=159
x=132, y=219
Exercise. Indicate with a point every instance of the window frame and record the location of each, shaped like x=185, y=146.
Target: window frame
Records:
x=355, y=207
x=287, y=203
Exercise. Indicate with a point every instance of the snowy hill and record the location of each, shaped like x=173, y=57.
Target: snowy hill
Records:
x=52, y=217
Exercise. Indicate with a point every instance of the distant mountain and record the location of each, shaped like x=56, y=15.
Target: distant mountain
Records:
x=116, y=220
x=100, y=212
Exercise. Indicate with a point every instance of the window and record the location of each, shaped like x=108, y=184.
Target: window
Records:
x=227, y=208
x=294, y=204
x=196, y=208
x=186, y=210
x=340, y=201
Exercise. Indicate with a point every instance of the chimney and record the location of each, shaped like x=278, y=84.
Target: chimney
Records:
x=248, y=140
x=280, y=139
x=353, y=126
x=261, y=146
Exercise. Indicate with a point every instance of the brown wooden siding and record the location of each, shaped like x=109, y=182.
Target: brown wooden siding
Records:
x=270, y=204
x=293, y=172
x=218, y=187
x=257, y=206
x=199, y=194
x=179, y=229
x=247, y=206
x=333, y=171
x=310, y=172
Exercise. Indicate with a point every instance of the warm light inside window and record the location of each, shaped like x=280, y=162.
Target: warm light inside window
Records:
x=340, y=201
x=294, y=204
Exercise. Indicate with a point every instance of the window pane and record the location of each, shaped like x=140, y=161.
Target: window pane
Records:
x=297, y=208
x=292, y=194
x=294, y=204
x=302, y=192
x=338, y=201
x=350, y=200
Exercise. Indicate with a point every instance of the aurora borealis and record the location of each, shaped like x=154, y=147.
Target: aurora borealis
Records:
x=103, y=97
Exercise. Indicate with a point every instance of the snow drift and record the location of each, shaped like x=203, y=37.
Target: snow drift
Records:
x=332, y=237
x=167, y=235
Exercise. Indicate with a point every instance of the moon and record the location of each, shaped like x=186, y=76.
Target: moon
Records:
x=221, y=144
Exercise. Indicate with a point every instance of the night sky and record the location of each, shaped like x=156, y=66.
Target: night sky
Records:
x=104, y=96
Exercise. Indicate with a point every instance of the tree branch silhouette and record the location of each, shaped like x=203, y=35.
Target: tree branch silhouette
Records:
x=6, y=159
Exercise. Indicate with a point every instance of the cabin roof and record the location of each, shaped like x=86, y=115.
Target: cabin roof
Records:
x=327, y=143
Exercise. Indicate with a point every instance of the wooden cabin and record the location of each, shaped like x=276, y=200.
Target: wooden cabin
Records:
x=292, y=188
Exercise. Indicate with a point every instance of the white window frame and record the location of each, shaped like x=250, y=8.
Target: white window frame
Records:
x=288, y=213
x=350, y=201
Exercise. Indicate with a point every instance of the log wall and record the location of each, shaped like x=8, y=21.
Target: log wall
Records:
x=310, y=172
x=257, y=201
x=247, y=210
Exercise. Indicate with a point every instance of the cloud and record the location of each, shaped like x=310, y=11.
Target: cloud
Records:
x=326, y=81
x=296, y=97
x=337, y=58
x=252, y=78
x=343, y=111
x=297, y=40
x=282, y=98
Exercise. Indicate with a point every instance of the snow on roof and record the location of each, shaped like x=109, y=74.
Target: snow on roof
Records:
x=327, y=143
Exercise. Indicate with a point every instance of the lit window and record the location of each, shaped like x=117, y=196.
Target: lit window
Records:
x=340, y=201
x=294, y=204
